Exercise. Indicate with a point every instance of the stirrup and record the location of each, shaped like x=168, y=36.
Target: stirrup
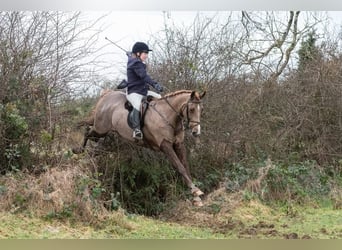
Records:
x=137, y=134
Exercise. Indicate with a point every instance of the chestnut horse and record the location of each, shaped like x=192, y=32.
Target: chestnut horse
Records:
x=163, y=127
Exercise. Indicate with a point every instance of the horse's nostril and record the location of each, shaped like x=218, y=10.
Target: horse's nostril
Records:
x=195, y=133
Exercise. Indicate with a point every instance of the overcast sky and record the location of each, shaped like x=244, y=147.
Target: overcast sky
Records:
x=127, y=27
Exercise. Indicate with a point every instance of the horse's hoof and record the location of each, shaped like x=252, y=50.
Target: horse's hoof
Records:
x=197, y=202
x=197, y=192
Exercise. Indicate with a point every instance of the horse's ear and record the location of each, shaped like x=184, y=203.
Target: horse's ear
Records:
x=203, y=94
x=196, y=95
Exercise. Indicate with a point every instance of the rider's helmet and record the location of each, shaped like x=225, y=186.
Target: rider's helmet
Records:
x=140, y=47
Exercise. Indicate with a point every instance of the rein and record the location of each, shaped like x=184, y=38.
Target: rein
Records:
x=162, y=116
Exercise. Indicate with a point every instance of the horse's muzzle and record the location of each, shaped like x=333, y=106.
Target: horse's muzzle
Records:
x=196, y=131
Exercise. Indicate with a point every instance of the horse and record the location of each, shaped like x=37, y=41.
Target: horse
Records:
x=165, y=121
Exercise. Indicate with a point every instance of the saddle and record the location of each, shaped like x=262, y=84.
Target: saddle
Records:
x=143, y=107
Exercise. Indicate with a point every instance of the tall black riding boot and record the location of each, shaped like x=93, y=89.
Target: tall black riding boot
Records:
x=137, y=134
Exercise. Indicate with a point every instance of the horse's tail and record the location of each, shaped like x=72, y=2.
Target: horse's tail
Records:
x=88, y=121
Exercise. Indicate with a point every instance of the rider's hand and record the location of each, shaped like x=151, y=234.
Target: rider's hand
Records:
x=158, y=87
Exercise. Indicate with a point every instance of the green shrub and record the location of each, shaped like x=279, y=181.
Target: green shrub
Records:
x=237, y=174
x=137, y=179
x=298, y=181
x=14, y=147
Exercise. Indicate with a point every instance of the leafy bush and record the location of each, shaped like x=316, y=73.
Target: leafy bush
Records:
x=283, y=181
x=298, y=181
x=143, y=186
x=238, y=174
x=13, y=130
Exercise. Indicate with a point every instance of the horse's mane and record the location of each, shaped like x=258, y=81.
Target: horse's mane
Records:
x=178, y=92
x=105, y=92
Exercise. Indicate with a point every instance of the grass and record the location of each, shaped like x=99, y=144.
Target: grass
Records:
x=257, y=221
x=21, y=226
x=155, y=229
x=251, y=220
x=323, y=223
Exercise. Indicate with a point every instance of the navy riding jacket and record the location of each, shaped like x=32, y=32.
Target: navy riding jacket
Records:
x=137, y=77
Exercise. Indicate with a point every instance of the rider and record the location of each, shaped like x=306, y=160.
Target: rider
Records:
x=137, y=83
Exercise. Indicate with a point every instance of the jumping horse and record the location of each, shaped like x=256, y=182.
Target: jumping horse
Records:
x=165, y=121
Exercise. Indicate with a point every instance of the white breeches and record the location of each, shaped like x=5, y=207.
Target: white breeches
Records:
x=135, y=99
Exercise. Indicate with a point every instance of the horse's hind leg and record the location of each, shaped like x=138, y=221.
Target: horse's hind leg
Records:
x=88, y=134
x=80, y=150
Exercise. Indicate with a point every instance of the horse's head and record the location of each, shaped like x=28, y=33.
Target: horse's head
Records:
x=192, y=112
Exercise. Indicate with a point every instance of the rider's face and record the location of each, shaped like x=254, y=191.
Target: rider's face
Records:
x=143, y=56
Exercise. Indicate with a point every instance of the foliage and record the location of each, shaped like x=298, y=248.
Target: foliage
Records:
x=140, y=182
x=308, y=52
x=298, y=182
x=41, y=54
x=238, y=174
x=13, y=130
x=288, y=182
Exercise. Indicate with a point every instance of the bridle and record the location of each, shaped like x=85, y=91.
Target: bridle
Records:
x=180, y=114
x=188, y=121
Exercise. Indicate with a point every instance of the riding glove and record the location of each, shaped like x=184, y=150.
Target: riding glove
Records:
x=158, y=87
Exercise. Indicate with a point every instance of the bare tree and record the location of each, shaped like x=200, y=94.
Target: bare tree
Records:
x=233, y=54
x=198, y=54
x=46, y=57
x=227, y=45
x=271, y=39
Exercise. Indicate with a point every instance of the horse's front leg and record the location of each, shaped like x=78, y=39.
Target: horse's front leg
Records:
x=167, y=148
x=181, y=153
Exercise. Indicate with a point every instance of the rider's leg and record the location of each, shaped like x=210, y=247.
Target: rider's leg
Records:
x=154, y=94
x=135, y=100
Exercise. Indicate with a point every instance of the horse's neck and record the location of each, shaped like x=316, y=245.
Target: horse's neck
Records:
x=172, y=106
x=177, y=102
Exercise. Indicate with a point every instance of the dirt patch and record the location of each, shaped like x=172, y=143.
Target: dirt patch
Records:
x=225, y=211
x=231, y=214
x=261, y=228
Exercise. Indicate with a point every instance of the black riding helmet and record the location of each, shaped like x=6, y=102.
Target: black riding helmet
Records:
x=140, y=47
